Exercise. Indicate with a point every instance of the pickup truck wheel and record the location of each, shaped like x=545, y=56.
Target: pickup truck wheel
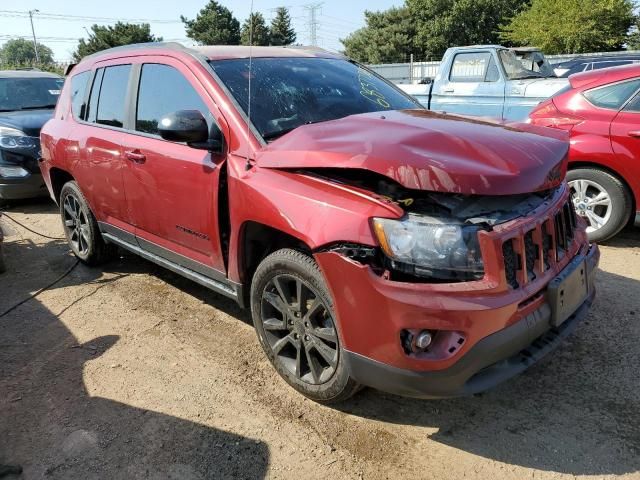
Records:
x=295, y=320
x=602, y=200
x=81, y=228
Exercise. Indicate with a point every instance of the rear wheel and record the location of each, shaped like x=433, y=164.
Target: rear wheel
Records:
x=295, y=320
x=602, y=200
x=81, y=227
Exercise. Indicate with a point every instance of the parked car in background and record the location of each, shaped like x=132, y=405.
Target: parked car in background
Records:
x=488, y=81
x=601, y=112
x=3, y=267
x=27, y=100
x=375, y=242
x=586, y=64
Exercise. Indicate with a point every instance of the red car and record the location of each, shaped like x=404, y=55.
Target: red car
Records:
x=601, y=112
x=375, y=242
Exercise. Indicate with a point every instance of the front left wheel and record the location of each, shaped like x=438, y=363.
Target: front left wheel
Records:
x=295, y=321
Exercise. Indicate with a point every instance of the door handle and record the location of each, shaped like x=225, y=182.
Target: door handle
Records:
x=634, y=133
x=135, y=156
x=448, y=90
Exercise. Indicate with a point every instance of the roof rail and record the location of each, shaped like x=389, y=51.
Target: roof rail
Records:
x=133, y=46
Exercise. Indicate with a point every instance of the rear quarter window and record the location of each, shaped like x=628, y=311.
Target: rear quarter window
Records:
x=78, y=92
x=612, y=96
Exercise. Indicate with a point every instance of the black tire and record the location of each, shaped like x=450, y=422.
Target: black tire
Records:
x=81, y=229
x=313, y=365
x=621, y=204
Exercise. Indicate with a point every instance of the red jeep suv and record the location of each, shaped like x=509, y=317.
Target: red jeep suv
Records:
x=375, y=242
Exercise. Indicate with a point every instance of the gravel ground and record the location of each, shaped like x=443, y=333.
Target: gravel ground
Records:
x=129, y=371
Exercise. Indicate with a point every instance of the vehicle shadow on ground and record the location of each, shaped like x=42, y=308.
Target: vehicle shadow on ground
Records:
x=577, y=412
x=52, y=427
x=629, y=237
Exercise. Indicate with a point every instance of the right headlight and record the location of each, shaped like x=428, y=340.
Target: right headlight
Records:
x=424, y=247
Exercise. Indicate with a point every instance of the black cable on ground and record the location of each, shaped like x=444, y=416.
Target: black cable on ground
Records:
x=4, y=214
x=38, y=292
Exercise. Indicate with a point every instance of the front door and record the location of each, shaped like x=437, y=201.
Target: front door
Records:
x=172, y=189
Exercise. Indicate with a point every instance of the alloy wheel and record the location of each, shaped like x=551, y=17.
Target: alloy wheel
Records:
x=299, y=329
x=592, y=202
x=76, y=225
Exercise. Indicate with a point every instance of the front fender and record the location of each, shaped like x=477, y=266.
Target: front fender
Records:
x=315, y=211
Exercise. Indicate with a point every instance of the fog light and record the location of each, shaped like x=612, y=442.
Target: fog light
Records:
x=423, y=340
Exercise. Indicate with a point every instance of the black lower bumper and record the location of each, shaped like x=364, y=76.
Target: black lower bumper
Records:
x=32, y=186
x=490, y=362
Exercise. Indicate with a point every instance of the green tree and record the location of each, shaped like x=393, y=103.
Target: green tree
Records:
x=441, y=24
x=572, y=26
x=214, y=25
x=260, y=34
x=633, y=42
x=20, y=52
x=281, y=32
x=103, y=37
x=388, y=37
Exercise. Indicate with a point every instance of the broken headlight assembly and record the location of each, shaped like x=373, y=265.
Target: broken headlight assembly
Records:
x=428, y=248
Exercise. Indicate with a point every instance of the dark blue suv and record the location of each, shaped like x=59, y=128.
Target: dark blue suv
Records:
x=27, y=101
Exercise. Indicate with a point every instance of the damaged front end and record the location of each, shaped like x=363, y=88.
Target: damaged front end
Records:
x=437, y=240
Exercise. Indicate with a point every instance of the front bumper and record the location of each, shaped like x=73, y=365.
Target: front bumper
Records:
x=31, y=186
x=501, y=340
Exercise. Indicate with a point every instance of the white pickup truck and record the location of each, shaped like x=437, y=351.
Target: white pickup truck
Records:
x=489, y=81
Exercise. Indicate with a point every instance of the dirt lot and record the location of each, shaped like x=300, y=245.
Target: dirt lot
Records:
x=130, y=372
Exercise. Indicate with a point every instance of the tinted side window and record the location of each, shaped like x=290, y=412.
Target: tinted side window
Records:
x=113, y=93
x=78, y=90
x=633, y=105
x=163, y=90
x=92, y=107
x=470, y=67
x=612, y=96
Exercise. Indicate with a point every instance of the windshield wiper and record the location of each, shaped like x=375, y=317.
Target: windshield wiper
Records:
x=39, y=107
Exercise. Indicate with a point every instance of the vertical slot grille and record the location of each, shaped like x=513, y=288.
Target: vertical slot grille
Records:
x=557, y=233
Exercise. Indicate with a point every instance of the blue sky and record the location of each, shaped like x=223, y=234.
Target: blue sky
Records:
x=336, y=19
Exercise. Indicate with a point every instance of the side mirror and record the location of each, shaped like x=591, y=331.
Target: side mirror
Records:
x=191, y=127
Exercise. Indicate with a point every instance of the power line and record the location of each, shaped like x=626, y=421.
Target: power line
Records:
x=83, y=18
x=313, y=9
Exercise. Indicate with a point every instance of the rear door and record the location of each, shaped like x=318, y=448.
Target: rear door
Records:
x=100, y=171
x=625, y=140
x=172, y=189
x=473, y=86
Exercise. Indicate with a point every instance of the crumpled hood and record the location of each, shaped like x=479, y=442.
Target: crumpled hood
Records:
x=28, y=121
x=428, y=151
x=538, y=87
